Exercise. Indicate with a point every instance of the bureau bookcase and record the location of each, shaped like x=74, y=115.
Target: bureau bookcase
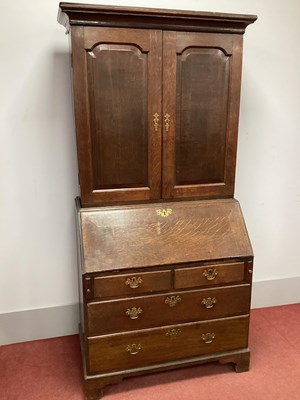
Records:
x=165, y=262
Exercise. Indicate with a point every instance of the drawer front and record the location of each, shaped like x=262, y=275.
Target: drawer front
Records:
x=209, y=275
x=132, y=283
x=169, y=343
x=157, y=310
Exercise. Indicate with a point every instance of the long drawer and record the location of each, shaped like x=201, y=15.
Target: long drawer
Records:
x=152, y=346
x=158, y=310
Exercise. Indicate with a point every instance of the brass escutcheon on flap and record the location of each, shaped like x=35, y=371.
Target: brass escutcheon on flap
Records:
x=164, y=213
x=208, y=337
x=209, y=302
x=133, y=348
x=210, y=274
x=134, y=312
x=134, y=282
x=172, y=300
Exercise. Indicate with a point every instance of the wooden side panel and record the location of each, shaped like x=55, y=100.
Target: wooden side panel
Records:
x=117, y=89
x=201, y=93
x=175, y=342
x=159, y=234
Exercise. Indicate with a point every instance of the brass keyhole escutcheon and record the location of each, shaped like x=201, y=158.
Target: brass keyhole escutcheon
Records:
x=134, y=282
x=164, y=212
x=134, y=312
x=155, y=121
x=209, y=302
x=167, y=120
x=210, y=274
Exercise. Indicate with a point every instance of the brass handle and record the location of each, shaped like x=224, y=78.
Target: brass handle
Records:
x=167, y=120
x=134, y=312
x=155, y=121
x=172, y=300
x=134, y=282
x=133, y=348
x=209, y=302
x=173, y=333
x=208, y=337
x=210, y=274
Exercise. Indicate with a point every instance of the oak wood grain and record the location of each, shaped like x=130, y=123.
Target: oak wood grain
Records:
x=120, y=285
x=135, y=236
x=117, y=81
x=173, y=307
x=209, y=275
x=157, y=346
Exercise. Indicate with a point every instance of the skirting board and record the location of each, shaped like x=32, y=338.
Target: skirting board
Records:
x=41, y=323
x=51, y=322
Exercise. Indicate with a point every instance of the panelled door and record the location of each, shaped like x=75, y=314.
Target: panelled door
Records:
x=156, y=113
x=201, y=81
x=117, y=93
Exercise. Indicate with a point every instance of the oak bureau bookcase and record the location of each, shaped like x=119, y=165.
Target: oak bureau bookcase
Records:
x=165, y=262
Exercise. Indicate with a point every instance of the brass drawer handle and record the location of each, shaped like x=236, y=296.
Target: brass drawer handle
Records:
x=208, y=337
x=173, y=333
x=133, y=348
x=167, y=121
x=134, y=312
x=210, y=274
x=172, y=300
x=155, y=121
x=134, y=282
x=209, y=302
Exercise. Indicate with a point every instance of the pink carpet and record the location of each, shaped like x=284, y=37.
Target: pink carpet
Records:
x=51, y=369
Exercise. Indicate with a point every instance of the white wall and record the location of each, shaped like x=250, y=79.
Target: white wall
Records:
x=38, y=162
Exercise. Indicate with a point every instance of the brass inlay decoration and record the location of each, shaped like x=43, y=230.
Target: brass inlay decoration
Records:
x=134, y=312
x=172, y=300
x=173, y=333
x=155, y=121
x=208, y=337
x=164, y=213
x=133, y=348
x=134, y=282
x=209, y=302
x=210, y=274
x=167, y=120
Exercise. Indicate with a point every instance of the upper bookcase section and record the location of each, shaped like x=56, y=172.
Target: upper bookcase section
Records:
x=70, y=14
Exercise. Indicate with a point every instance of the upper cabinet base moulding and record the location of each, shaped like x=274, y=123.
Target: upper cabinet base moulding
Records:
x=165, y=262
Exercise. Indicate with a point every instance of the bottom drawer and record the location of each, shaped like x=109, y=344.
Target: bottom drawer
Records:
x=151, y=346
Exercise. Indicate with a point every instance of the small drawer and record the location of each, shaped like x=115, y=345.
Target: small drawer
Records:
x=140, y=282
x=164, y=309
x=209, y=275
x=169, y=343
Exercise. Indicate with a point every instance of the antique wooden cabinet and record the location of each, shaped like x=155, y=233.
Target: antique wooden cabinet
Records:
x=165, y=260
